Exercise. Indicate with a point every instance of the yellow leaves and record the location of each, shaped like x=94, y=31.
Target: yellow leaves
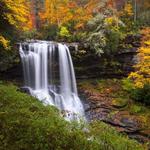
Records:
x=64, y=32
x=17, y=13
x=128, y=9
x=145, y=50
x=109, y=20
x=14, y=16
x=4, y=42
x=147, y=43
x=142, y=74
x=138, y=79
x=127, y=12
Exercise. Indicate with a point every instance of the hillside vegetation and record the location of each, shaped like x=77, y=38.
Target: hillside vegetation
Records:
x=27, y=124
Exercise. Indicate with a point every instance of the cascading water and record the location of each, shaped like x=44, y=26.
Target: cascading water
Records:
x=49, y=76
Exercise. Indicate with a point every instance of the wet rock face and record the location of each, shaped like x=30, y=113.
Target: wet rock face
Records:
x=115, y=64
x=101, y=107
x=25, y=90
x=118, y=66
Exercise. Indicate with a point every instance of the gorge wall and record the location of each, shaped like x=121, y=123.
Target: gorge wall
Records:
x=87, y=64
x=118, y=64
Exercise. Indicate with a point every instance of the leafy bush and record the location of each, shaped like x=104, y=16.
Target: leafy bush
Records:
x=96, y=36
x=140, y=94
x=127, y=85
x=141, y=76
x=114, y=34
x=107, y=33
x=27, y=124
x=113, y=38
x=64, y=32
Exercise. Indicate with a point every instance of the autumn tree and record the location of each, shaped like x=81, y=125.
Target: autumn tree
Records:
x=71, y=15
x=15, y=19
x=14, y=15
x=36, y=6
x=56, y=12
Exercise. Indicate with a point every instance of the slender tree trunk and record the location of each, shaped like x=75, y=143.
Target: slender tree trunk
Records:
x=135, y=10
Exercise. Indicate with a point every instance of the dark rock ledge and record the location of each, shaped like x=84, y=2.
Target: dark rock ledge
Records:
x=100, y=107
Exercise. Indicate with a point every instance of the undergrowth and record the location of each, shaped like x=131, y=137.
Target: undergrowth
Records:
x=26, y=124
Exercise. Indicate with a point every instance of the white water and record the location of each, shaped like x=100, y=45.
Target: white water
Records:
x=49, y=75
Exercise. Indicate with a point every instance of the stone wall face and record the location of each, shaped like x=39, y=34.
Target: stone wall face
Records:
x=119, y=64
x=88, y=65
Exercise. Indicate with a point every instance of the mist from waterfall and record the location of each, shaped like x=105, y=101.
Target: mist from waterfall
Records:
x=49, y=75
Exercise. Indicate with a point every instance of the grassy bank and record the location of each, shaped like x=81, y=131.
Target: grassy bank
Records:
x=26, y=124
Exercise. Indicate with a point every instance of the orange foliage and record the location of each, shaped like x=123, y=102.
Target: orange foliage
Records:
x=61, y=12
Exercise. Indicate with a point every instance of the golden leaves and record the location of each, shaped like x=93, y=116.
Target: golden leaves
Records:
x=17, y=13
x=142, y=74
x=4, y=42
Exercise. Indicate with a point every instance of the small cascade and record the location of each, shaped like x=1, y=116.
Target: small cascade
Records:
x=49, y=76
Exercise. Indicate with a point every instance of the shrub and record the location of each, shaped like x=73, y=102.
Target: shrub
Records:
x=139, y=94
x=141, y=76
x=96, y=36
x=142, y=94
x=64, y=32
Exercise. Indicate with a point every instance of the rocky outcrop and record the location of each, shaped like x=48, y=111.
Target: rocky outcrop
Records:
x=101, y=107
x=115, y=64
x=88, y=65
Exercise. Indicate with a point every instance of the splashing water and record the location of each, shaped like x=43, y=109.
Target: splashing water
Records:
x=49, y=76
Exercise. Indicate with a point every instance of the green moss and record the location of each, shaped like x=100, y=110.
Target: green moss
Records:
x=135, y=109
x=119, y=102
x=26, y=124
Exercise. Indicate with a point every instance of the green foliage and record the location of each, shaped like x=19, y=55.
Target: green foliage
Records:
x=27, y=124
x=48, y=32
x=28, y=35
x=127, y=84
x=135, y=109
x=113, y=38
x=96, y=36
x=107, y=34
x=111, y=135
x=119, y=102
x=142, y=94
x=64, y=32
x=138, y=94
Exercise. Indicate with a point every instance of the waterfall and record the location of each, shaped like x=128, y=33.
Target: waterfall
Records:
x=49, y=76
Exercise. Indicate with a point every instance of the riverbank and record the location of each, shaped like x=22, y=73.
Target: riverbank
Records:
x=107, y=101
